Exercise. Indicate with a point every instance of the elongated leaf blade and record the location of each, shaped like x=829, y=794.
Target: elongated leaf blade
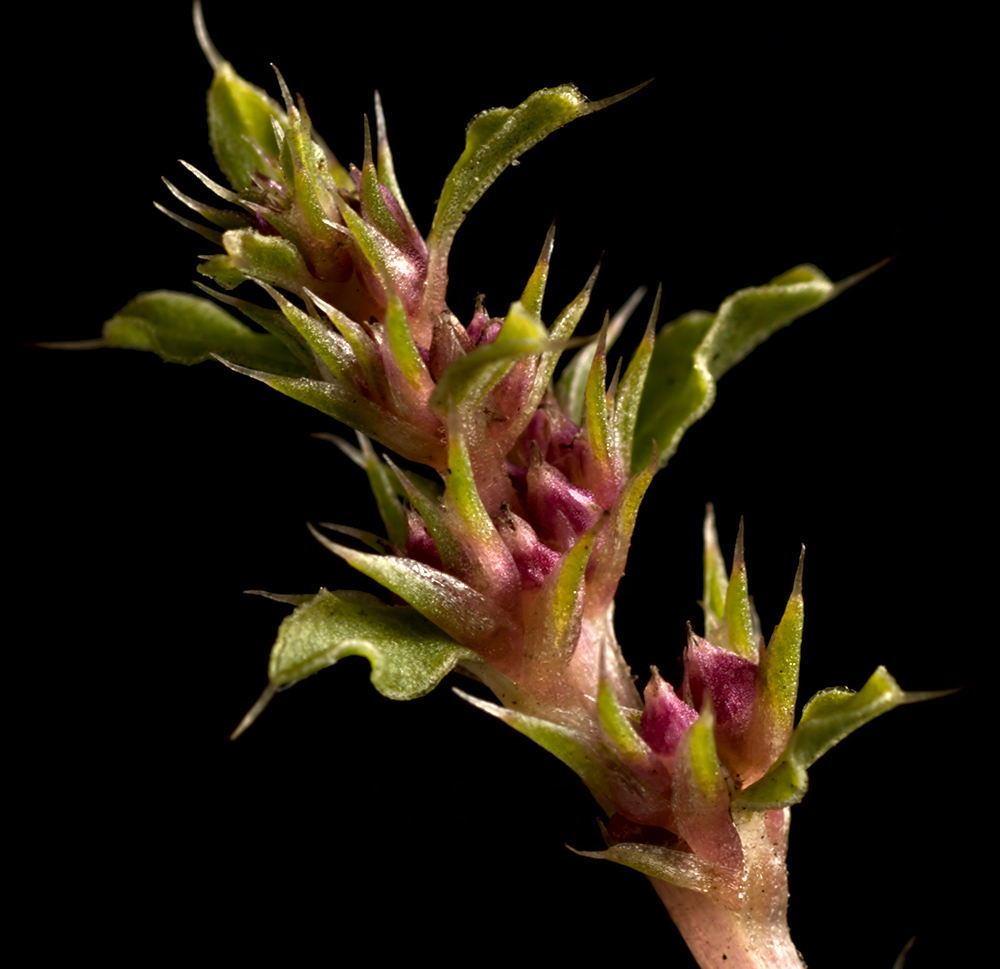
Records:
x=827, y=719
x=493, y=140
x=187, y=329
x=694, y=351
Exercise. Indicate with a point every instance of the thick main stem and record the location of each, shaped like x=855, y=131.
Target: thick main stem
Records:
x=753, y=935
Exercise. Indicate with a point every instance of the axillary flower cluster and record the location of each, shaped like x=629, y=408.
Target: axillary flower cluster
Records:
x=504, y=557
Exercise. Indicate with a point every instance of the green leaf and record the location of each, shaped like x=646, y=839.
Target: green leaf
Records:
x=694, y=351
x=409, y=655
x=493, y=140
x=826, y=720
x=187, y=329
x=677, y=390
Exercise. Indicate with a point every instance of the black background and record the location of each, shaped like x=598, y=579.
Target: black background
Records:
x=149, y=496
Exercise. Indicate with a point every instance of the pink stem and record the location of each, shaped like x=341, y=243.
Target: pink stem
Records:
x=755, y=934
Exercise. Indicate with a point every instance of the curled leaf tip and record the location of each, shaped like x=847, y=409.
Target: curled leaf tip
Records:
x=204, y=41
x=857, y=277
x=255, y=711
x=591, y=106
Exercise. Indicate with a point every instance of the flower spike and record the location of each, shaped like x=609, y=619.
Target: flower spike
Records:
x=502, y=560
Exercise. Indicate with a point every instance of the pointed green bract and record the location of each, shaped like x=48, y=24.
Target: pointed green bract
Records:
x=435, y=519
x=715, y=583
x=561, y=329
x=386, y=169
x=383, y=485
x=273, y=321
x=619, y=725
x=269, y=259
x=571, y=386
x=779, y=665
x=346, y=404
x=458, y=609
x=698, y=749
x=404, y=350
x=562, y=741
x=365, y=351
x=739, y=612
x=330, y=348
x=462, y=494
x=694, y=351
x=409, y=655
x=597, y=420
x=469, y=378
x=187, y=329
x=826, y=720
x=534, y=291
x=239, y=116
x=630, y=389
x=562, y=601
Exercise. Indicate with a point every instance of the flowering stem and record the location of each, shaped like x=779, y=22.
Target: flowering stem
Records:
x=752, y=931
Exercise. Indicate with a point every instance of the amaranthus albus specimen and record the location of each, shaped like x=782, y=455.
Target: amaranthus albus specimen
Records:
x=502, y=562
